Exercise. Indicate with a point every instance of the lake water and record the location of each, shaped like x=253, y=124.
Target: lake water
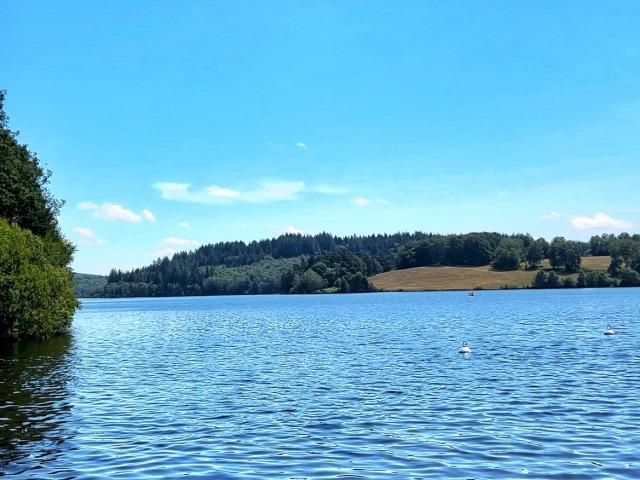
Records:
x=331, y=386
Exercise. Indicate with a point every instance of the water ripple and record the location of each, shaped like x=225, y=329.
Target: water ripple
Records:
x=341, y=387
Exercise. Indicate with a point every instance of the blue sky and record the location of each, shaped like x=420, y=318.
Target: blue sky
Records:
x=173, y=124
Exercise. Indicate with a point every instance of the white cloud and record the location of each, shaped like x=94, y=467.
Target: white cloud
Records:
x=148, y=215
x=292, y=229
x=116, y=213
x=599, y=221
x=179, y=242
x=550, y=215
x=363, y=201
x=266, y=191
x=302, y=146
x=87, y=236
x=163, y=252
x=288, y=229
x=184, y=224
x=273, y=191
x=87, y=206
x=360, y=201
x=85, y=233
x=216, y=191
x=329, y=190
x=172, y=190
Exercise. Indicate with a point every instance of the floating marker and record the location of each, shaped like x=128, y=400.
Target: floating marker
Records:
x=464, y=348
x=609, y=331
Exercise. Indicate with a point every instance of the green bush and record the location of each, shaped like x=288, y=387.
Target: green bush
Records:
x=629, y=278
x=36, y=291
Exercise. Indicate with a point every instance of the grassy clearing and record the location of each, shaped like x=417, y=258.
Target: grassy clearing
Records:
x=466, y=278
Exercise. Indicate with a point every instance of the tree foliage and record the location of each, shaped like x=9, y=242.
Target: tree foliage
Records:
x=24, y=197
x=565, y=254
x=536, y=252
x=509, y=254
x=36, y=297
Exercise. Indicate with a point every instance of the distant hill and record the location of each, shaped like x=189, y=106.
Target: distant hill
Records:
x=86, y=285
x=296, y=263
x=467, y=278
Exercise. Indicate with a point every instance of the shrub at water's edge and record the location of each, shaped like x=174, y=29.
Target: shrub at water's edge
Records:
x=36, y=296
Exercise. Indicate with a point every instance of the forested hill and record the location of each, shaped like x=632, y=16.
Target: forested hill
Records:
x=274, y=265
x=294, y=263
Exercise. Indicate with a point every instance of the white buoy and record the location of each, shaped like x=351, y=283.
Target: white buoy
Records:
x=609, y=331
x=464, y=348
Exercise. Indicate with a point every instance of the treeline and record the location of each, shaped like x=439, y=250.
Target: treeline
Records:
x=323, y=262
x=503, y=252
x=337, y=271
x=36, y=296
x=234, y=254
x=86, y=285
x=623, y=270
x=290, y=263
x=295, y=263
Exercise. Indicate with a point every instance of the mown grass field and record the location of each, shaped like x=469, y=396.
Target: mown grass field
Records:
x=466, y=278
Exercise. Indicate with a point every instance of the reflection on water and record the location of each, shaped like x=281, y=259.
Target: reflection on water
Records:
x=34, y=402
x=321, y=386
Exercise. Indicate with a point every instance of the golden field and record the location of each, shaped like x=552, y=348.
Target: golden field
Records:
x=466, y=278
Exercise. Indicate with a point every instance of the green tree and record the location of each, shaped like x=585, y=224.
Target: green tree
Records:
x=565, y=255
x=535, y=254
x=508, y=254
x=36, y=295
x=629, y=278
x=359, y=283
x=540, y=280
x=598, y=278
x=553, y=280
x=36, y=289
x=311, y=282
x=24, y=197
x=582, y=282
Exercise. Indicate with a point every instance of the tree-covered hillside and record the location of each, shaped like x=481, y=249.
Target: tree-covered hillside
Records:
x=36, y=297
x=86, y=285
x=295, y=263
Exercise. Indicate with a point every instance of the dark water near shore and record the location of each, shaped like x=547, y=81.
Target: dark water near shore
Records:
x=332, y=386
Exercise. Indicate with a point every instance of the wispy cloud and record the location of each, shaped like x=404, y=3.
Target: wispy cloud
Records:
x=85, y=233
x=116, y=213
x=288, y=229
x=360, y=201
x=599, y=221
x=180, y=242
x=302, y=146
x=364, y=201
x=265, y=191
x=163, y=252
x=292, y=229
x=87, y=236
x=216, y=191
x=550, y=215
x=184, y=224
x=173, y=245
x=329, y=189
x=87, y=206
x=148, y=215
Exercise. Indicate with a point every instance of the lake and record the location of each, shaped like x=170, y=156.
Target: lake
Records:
x=331, y=386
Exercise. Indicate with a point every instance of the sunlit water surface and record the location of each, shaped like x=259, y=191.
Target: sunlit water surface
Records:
x=331, y=386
